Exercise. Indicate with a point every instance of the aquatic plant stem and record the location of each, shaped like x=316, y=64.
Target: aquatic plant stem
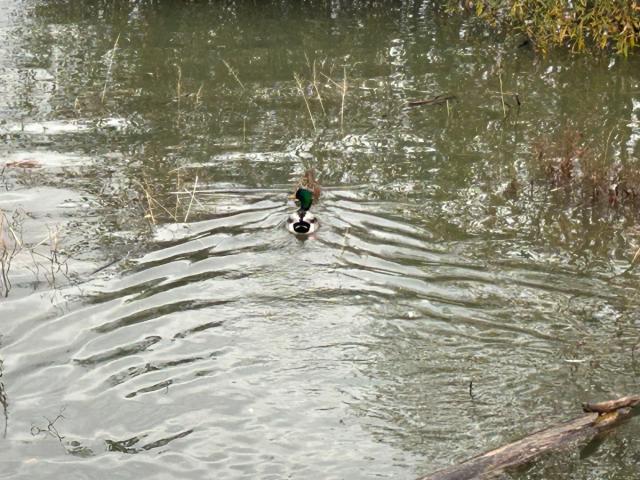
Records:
x=106, y=80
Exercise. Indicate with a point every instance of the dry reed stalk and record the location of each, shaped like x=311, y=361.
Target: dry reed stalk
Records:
x=8, y=250
x=344, y=94
x=3, y=401
x=329, y=79
x=164, y=208
x=149, y=200
x=504, y=108
x=306, y=57
x=315, y=85
x=11, y=244
x=5, y=257
x=178, y=187
x=304, y=97
x=198, y=99
x=244, y=129
x=233, y=73
x=179, y=85
x=106, y=79
x=193, y=194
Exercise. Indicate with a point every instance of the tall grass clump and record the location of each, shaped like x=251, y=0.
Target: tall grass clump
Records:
x=581, y=24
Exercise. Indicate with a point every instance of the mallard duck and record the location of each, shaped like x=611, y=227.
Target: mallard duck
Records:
x=303, y=222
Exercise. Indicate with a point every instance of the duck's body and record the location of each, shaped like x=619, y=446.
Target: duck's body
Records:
x=303, y=222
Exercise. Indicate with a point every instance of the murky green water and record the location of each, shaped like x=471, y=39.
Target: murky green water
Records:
x=220, y=346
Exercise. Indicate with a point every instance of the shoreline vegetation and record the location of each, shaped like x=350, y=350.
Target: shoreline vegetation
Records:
x=582, y=25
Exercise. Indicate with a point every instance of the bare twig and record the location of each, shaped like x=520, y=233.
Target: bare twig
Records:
x=50, y=428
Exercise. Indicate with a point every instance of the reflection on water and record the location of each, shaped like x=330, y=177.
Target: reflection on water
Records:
x=216, y=343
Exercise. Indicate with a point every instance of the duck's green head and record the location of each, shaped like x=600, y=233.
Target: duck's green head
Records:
x=305, y=197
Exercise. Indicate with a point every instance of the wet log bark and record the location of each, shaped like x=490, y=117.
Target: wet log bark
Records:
x=600, y=417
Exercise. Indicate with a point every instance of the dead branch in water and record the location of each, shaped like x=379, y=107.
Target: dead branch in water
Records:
x=437, y=100
x=611, y=405
x=491, y=464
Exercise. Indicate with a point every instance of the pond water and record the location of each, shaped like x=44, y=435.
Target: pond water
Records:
x=162, y=323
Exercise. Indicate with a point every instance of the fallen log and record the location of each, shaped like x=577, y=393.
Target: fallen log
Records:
x=600, y=417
